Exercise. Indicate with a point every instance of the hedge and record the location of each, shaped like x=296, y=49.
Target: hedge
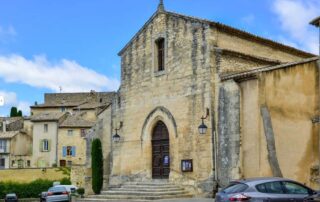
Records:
x=97, y=166
x=28, y=190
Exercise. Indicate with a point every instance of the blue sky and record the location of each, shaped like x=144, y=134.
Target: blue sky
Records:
x=73, y=44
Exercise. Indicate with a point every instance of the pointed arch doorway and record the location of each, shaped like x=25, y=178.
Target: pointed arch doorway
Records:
x=160, y=151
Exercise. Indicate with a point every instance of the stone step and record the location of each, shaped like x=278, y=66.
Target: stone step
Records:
x=107, y=200
x=150, y=186
x=135, y=197
x=142, y=193
x=146, y=189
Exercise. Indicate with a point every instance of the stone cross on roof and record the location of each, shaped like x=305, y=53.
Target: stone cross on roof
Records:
x=161, y=6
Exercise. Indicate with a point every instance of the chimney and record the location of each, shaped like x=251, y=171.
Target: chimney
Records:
x=4, y=126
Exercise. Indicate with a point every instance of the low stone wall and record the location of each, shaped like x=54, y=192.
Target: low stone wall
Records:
x=81, y=177
x=31, y=174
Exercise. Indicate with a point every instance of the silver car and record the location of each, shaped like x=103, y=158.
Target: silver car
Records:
x=56, y=194
x=267, y=190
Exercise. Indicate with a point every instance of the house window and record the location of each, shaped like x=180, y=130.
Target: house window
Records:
x=69, y=163
x=69, y=151
x=3, y=146
x=70, y=132
x=28, y=163
x=160, y=50
x=83, y=132
x=13, y=162
x=45, y=145
x=45, y=128
x=62, y=163
x=2, y=163
x=63, y=109
x=20, y=163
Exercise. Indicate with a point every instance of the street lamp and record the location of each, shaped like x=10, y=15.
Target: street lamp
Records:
x=116, y=137
x=203, y=128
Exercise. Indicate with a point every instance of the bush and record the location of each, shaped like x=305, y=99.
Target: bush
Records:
x=81, y=191
x=65, y=181
x=97, y=166
x=28, y=190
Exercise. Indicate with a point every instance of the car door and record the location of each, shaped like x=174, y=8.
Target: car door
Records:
x=273, y=192
x=296, y=191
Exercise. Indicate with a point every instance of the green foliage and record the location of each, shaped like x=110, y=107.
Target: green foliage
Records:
x=19, y=113
x=15, y=113
x=65, y=181
x=64, y=170
x=80, y=191
x=97, y=166
x=28, y=190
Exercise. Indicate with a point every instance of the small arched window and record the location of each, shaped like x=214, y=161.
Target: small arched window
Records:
x=160, y=47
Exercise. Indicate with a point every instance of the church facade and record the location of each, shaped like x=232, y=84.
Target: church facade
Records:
x=179, y=72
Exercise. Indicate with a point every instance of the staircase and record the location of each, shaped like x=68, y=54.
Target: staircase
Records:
x=142, y=191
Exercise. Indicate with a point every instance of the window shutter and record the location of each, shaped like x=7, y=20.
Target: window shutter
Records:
x=41, y=145
x=64, y=151
x=73, y=151
x=49, y=145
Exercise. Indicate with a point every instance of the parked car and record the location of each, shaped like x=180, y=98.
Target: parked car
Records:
x=12, y=197
x=57, y=193
x=70, y=188
x=267, y=190
x=43, y=196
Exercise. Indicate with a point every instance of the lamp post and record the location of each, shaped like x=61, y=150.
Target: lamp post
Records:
x=116, y=137
x=203, y=128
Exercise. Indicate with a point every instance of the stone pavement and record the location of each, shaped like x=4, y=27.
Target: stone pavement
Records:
x=166, y=200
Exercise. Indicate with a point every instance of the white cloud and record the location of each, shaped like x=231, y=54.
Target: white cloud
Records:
x=41, y=73
x=11, y=100
x=7, y=33
x=294, y=17
x=249, y=19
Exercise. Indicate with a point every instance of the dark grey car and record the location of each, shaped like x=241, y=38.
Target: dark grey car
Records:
x=267, y=190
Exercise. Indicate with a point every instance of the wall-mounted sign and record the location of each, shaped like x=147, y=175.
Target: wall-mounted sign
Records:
x=186, y=165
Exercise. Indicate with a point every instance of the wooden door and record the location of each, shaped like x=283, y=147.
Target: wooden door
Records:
x=160, y=152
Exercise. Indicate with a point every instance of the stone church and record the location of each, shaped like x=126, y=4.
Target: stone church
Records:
x=201, y=103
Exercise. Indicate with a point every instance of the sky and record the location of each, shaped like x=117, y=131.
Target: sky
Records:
x=72, y=45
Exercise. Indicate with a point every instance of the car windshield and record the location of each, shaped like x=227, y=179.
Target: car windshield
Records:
x=57, y=189
x=235, y=188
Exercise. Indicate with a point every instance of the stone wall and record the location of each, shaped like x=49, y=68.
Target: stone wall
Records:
x=229, y=133
x=177, y=96
x=28, y=175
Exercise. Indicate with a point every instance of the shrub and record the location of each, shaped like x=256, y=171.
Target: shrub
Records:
x=28, y=190
x=81, y=191
x=65, y=181
x=97, y=166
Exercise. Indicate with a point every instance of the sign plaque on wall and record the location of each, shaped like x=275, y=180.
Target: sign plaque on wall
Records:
x=186, y=165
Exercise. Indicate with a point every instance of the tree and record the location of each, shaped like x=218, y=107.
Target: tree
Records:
x=14, y=112
x=19, y=113
x=97, y=166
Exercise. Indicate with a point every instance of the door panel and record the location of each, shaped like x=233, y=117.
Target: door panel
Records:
x=160, y=152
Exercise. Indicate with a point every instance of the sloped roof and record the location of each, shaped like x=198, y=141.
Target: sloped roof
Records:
x=10, y=119
x=48, y=116
x=8, y=135
x=224, y=28
x=265, y=69
x=76, y=121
